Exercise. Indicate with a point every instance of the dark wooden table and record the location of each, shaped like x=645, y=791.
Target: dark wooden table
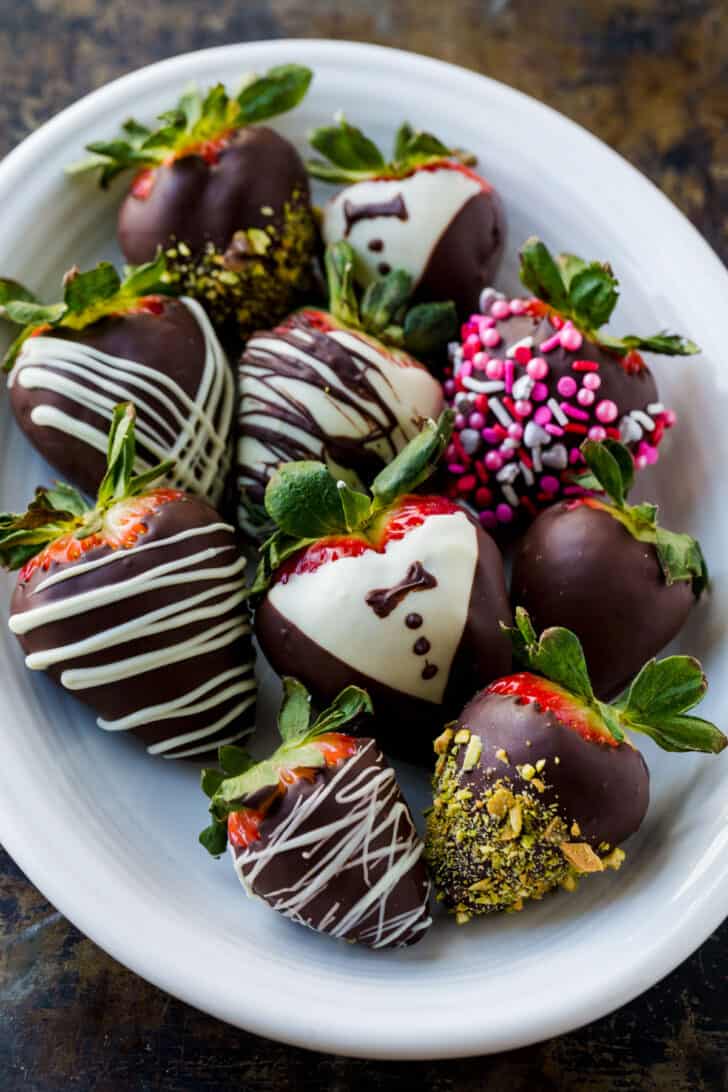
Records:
x=651, y=78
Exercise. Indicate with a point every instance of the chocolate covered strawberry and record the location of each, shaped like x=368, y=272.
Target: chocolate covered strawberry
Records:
x=402, y=593
x=426, y=212
x=109, y=341
x=608, y=571
x=226, y=198
x=341, y=386
x=533, y=378
x=320, y=830
x=537, y=783
x=136, y=605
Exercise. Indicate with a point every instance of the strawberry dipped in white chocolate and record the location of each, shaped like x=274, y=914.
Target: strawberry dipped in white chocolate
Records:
x=341, y=386
x=402, y=594
x=426, y=212
x=320, y=831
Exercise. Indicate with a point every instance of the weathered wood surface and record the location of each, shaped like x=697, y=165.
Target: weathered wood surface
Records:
x=651, y=78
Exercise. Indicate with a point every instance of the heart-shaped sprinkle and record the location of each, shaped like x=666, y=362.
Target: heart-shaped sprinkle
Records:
x=556, y=457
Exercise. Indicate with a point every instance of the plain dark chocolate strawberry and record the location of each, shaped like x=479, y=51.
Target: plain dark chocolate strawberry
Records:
x=533, y=378
x=225, y=198
x=426, y=212
x=537, y=783
x=341, y=386
x=136, y=605
x=608, y=571
x=401, y=594
x=109, y=341
x=320, y=830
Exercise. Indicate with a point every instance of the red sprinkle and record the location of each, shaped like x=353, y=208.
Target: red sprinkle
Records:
x=585, y=366
x=573, y=427
x=523, y=354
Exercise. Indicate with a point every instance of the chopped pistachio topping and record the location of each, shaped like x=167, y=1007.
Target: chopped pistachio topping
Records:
x=502, y=756
x=472, y=753
x=256, y=280
x=496, y=849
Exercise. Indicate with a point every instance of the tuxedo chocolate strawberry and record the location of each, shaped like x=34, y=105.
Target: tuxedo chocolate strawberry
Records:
x=109, y=341
x=320, y=830
x=136, y=605
x=426, y=212
x=226, y=198
x=340, y=386
x=533, y=378
x=537, y=783
x=402, y=594
x=608, y=571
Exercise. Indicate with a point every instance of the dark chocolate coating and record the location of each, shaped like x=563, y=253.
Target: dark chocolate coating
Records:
x=404, y=725
x=158, y=684
x=467, y=255
x=200, y=203
x=357, y=874
x=579, y=567
x=604, y=788
x=170, y=342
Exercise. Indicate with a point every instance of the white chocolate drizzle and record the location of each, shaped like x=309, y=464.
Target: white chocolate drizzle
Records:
x=196, y=433
x=371, y=807
x=219, y=605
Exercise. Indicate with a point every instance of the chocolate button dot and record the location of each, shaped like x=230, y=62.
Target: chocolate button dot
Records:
x=421, y=646
x=429, y=671
x=413, y=621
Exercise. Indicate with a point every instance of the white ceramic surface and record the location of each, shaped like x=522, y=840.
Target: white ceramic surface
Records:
x=110, y=835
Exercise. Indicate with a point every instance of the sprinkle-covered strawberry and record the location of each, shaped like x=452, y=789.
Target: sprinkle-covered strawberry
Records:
x=226, y=198
x=399, y=593
x=426, y=212
x=320, y=830
x=537, y=783
x=341, y=386
x=108, y=341
x=136, y=605
x=533, y=378
x=608, y=571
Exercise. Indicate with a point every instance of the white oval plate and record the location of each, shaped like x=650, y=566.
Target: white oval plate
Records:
x=110, y=836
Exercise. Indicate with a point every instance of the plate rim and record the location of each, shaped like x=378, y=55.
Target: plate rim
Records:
x=140, y=953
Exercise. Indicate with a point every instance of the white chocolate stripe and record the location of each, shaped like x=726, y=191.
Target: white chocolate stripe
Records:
x=201, y=733
x=119, y=555
x=187, y=704
x=370, y=814
x=136, y=585
x=85, y=678
x=198, y=443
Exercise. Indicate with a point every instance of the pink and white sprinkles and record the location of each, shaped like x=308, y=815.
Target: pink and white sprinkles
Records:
x=516, y=439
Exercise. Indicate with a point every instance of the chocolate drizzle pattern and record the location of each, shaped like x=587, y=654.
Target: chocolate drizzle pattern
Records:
x=153, y=636
x=82, y=380
x=325, y=394
x=352, y=832
x=384, y=600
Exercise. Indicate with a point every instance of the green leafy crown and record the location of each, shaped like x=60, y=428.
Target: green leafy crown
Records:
x=350, y=156
x=62, y=510
x=587, y=293
x=241, y=777
x=611, y=470
x=382, y=310
x=87, y=297
x=306, y=502
x=656, y=704
x=195, y=120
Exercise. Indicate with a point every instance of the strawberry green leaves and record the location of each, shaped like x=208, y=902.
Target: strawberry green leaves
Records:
x=241, y=778
x=307, y=503
x=350, y=156
x=656, y=704
x=382, y=311
x=120, y=481
x=52, y=513
x=196, y=121
x=611, y=469
x=587, y=293
x=87, y=297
